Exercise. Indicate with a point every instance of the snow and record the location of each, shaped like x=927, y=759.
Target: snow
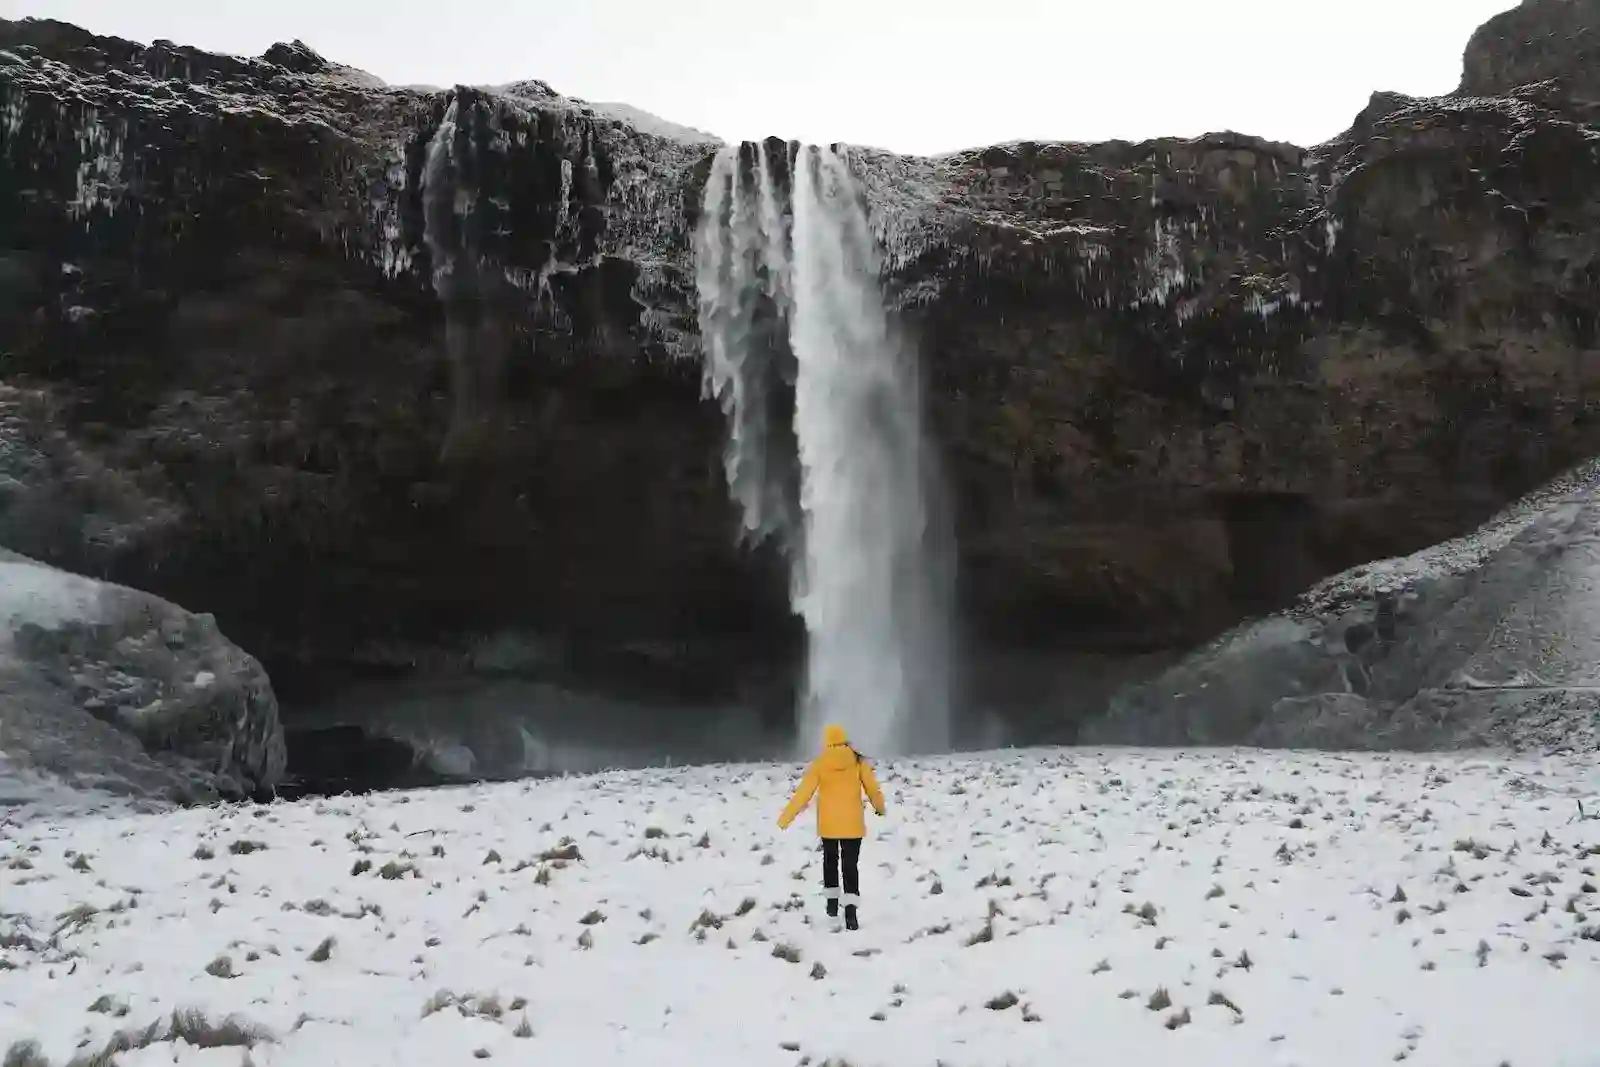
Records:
x=32, y=593
x=540, y=93
x=353, y=76
x=1310, y=909
x=26, y=790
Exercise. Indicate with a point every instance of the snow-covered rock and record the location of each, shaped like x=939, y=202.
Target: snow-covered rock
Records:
x=654, y=125
x=1492, y=639
x=111, y=690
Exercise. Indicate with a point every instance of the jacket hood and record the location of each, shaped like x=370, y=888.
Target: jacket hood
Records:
x=834, y=735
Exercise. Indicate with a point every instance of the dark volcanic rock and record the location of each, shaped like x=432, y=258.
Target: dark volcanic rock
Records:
x=1181, y=380
x=1174, y=382
x=1551, y=44
x=111, y=690
x=231, y=381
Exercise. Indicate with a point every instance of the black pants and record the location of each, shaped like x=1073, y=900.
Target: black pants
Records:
x=846, y=852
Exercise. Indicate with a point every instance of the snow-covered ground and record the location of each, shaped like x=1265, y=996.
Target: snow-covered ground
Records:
x=1040, y=907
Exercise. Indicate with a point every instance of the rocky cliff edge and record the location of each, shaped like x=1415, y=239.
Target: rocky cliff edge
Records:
x=1174, y=383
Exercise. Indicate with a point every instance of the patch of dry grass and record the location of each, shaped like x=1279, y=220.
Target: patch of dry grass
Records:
x=24, y=1054
x=76, y=918
x=189, y=1026
x=472, y=1005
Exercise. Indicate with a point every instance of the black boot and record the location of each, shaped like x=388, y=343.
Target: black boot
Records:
x=850, y=922
x=833, y=907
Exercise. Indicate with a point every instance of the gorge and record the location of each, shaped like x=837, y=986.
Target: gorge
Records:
x=405, y=387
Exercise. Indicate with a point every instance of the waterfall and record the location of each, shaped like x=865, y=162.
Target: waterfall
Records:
x=741, y=257
x=439, y=199
x=475, y=337
x=867, y=537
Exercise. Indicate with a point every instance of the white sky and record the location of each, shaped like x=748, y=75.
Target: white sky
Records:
x=910, y=75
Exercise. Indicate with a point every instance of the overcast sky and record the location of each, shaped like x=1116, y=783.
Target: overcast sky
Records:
x=910, y=75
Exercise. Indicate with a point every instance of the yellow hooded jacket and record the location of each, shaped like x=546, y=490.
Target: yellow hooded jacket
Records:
x=839, y=776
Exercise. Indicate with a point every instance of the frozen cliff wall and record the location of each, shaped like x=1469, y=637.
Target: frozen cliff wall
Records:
x=1175, y=383
x=220, y=320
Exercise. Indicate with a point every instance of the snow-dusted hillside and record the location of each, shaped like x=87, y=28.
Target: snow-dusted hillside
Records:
x=1204, y=908
x=1489, y=640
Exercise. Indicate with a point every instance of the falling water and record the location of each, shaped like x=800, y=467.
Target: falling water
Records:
x=866, y=536
x=742, y=265
x=438, y=199
x=474, y=336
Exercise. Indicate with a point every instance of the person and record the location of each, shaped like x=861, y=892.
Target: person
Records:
x=838, y=777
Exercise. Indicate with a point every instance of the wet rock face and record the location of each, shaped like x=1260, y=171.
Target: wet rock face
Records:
x=263, y=359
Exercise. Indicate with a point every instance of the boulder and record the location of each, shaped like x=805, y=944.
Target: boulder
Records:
x=113, y=690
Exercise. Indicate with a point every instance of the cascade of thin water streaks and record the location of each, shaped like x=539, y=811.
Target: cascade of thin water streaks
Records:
x=475, y=338
x=870, y=571
x=740, y=253
x=439, y=198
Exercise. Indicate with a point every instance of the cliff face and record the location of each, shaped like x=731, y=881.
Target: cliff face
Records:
x=1188, y=378
x=1174, y=382
x=228, y=376
x=1538, y=41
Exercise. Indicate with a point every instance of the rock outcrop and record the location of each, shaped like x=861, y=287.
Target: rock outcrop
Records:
x=108, y=690
x=1487, y=641
x=379, y=374
x=1553, y=43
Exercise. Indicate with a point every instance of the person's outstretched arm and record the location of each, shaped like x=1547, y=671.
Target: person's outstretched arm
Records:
x=869, y=782
x=802, y=797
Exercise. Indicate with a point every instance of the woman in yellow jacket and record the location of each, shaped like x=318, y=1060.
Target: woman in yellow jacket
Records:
x=838, y=777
